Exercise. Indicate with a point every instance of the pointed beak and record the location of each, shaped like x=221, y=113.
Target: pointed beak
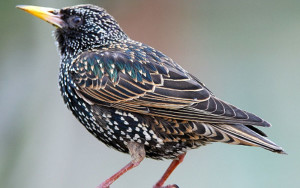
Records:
x=50, y=15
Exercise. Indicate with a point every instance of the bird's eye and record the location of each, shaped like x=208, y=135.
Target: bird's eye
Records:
x=76, y=20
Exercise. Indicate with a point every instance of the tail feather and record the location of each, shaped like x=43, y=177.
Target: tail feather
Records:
x=248, y=136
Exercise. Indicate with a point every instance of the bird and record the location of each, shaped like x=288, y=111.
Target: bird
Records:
x=137, y=100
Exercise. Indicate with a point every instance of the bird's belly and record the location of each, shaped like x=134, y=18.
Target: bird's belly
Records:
x=116, y=128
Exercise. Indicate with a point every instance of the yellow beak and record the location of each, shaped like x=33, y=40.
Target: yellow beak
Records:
x=50, y=15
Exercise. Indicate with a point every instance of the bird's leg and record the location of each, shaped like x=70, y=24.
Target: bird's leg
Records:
x=137, y=152
x=168, y=172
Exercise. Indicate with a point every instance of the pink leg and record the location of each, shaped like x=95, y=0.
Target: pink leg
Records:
x=113, y=178
x=168, y=172
x=137, y=153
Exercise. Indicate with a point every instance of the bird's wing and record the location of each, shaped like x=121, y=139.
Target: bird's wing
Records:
x=143, y=80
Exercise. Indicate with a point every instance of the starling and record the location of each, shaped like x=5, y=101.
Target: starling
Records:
x=134, y=98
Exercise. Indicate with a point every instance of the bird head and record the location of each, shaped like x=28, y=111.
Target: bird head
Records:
x=79, y=28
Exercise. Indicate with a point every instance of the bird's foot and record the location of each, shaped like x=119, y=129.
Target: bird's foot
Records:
x=166, y=186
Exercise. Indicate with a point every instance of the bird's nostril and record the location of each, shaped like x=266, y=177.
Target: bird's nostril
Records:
x=55, y=12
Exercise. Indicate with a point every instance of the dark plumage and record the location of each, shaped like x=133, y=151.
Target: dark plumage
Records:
x=136, y=99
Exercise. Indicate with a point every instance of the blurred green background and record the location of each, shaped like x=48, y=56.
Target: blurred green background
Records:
x=247, y=53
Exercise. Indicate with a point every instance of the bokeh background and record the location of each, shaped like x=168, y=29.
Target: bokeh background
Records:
x=247, y=53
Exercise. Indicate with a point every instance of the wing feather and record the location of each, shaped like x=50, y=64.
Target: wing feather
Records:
x=137, y=78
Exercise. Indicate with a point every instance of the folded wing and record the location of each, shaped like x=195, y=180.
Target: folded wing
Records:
x=137, y=78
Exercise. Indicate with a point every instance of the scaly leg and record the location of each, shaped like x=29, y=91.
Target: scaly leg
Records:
x=137, y=152
x=168, y=172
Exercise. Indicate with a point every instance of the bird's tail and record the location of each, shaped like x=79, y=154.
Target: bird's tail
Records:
x=247, y=135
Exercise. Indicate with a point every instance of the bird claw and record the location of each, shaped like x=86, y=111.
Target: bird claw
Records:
x=167, y=186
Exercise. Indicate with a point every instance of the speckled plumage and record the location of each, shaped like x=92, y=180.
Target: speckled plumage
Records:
x=126, y=92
